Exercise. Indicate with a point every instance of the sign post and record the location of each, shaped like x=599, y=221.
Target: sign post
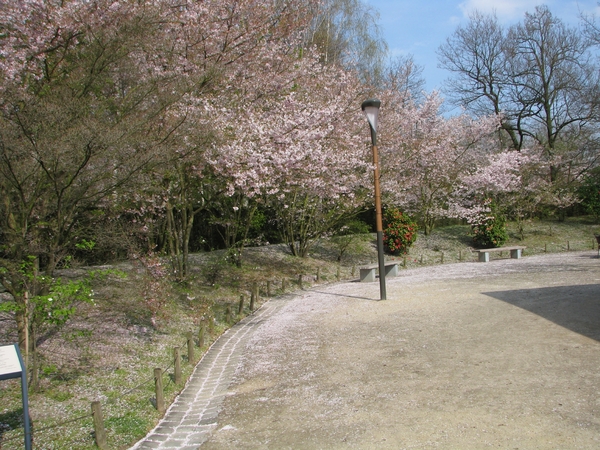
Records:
x=11, y=366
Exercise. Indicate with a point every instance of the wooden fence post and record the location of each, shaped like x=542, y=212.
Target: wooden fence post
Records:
x=442, y=261
x=253, y=296
x=177, y=364
x=300, y=281
x=201, y=334
x=99, y=431
x=160, y=395
x=318, y=274
x=268, y=288
x=211, y=324
x=190, y=347
x=283, y=285
x=337, y=273
x=228, y=314
x=241, y=307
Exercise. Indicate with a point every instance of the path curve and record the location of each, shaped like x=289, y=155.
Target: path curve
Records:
x=502, y=354
x=191, y=418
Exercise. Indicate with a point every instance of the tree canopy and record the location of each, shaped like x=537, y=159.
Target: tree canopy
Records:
x=150, y=128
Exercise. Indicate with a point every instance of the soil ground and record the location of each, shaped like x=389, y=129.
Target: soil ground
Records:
x=502, y=354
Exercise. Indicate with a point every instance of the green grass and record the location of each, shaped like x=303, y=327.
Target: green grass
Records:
x=131, y=423
x=573, y=234
x=108, y=352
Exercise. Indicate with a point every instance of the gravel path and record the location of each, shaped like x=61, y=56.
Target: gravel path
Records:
x=502, y=354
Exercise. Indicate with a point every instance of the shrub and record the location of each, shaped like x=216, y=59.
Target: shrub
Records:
x=216, y=266
x=350, y=238
x=589, y=193
x=489, y=229
x=399, y=231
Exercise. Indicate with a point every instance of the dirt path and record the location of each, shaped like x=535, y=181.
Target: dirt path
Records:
x=466, y=356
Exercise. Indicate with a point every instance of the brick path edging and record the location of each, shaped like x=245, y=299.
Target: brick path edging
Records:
x=191, y=418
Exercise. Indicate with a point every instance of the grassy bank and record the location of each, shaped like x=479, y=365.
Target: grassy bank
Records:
x=109, y=350
x=573, y=234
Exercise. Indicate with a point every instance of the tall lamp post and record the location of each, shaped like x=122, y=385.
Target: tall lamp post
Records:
x=371, y=109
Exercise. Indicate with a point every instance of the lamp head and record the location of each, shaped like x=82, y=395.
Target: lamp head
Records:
x=371, y=109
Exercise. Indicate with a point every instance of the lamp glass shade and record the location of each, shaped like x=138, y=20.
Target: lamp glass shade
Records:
x=371, y=110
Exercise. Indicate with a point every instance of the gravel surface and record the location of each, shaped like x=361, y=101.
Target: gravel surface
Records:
x=502, y=354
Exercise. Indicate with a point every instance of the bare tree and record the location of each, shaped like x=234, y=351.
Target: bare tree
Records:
x=405, y=76
x=475, y=55
x=552, y=77
x=538, y=75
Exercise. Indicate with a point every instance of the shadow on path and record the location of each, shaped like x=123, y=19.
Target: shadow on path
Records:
x=344, y=295
x=576, y=308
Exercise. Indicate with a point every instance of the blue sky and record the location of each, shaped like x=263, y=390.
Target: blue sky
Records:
x=419, y=27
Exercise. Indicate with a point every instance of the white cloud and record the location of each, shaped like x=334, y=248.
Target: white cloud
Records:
x=504, y=9
x=586, y=8
x=455, y=20
x=397, y=51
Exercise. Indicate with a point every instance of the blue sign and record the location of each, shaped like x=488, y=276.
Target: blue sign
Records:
x=11, y=366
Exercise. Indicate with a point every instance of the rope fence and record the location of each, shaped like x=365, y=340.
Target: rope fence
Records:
x=190, y=344
x=230, y=310
x=442, y=257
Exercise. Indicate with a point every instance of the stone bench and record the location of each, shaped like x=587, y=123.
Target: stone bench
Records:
x=367, y=273
x=484, y=253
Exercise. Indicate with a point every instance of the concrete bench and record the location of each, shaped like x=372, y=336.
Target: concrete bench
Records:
x=367, y=273
x=484, y=253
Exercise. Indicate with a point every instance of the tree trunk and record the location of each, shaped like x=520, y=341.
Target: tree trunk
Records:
x=428, y=225
x=189, y=223
x=21, y=317
x=242, y=241
x=174, y=248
